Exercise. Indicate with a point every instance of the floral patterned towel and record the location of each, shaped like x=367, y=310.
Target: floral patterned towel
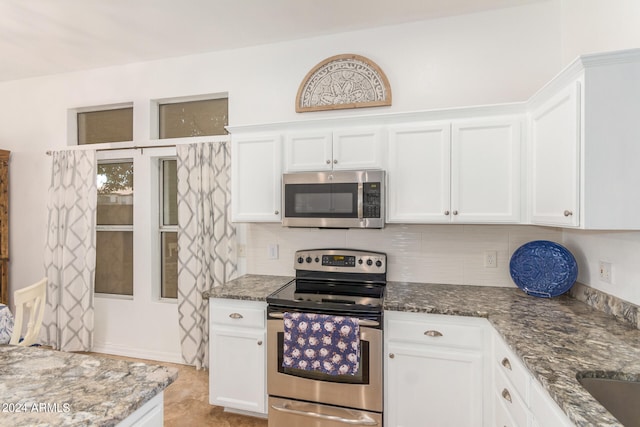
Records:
x=320, y=342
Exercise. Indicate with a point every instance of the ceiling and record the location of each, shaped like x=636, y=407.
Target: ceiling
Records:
x=40, y=37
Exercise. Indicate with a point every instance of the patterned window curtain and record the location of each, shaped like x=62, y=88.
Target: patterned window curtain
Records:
x=206, y=240
x=70, y=252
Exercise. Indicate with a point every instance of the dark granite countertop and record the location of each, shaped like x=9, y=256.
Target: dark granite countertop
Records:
x=45, y=387
x=250, y=287
x=556, y=338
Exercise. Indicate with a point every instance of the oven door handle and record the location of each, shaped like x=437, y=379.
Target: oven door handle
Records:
x=361, y=322
x=363, y=420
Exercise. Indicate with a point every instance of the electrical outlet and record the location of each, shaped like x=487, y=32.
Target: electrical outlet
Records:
x=272, y=251
x=490, y=259
x=242, y=250
x=606, y=272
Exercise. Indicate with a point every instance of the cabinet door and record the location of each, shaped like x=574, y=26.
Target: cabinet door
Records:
x=308, y=152
x=256, y=178
x=357, y=149
x=555, y=150
x=485, y=171
x=237, y=369
x=418, y=173
x=433, y=387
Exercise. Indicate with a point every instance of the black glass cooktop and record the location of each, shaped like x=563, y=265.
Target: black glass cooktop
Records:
x=329, y=295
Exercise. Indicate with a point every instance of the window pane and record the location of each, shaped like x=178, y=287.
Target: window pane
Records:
x=169, y=193
x=114, y=262
x=115, y=193
x=169, y=265
x=95, y=127
x=194, y=118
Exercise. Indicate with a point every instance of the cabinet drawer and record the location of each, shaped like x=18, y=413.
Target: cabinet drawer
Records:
x=507, y=396
x=502, y=417
x=246, y=314
x=437, y=330
x=510, y=365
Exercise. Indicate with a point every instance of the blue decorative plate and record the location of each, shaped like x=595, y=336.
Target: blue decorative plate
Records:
x=543, y=269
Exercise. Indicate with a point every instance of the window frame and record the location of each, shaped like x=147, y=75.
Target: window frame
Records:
x=161, y=227
x=72, y=124
x=154, y=110
x=119, y=227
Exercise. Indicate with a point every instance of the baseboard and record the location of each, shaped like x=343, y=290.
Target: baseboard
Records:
x=138, y=353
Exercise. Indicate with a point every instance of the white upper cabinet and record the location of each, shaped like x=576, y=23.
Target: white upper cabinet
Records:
x=466, y=171
x=345, y=149
x=485, y=170
x=555, y=147
x=584, y=145
x=256, y=178
x=418, y=173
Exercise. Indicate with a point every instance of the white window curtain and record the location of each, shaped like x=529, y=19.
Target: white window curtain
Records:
x=206, y=240
x=70, y=252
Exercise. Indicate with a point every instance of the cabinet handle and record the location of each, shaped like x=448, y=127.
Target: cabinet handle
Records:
x=446, y=212
x=328, y=161
x=455, y=212
x=505, y=362
x=236, y=316
x=276, y=213
x=335, y=161
x=568, y=213
x=506, y=395
x=259, y=342
x=391, y=355
x=432, y=333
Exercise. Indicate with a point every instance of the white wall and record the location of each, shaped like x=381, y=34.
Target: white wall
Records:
x=590, y=26
x=451, y=254
x=594, y=26
x=492, y=57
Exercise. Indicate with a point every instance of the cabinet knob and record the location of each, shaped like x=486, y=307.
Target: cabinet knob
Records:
x=506, y=395
x=432, y=333
x=335, y=161
x=391, y=355
x=455, y=212
x=259, y=342
x=236, y=316
x=505, y=362
x=328, y=161
x=276, y=213
x=446, y=212
x=568, y=213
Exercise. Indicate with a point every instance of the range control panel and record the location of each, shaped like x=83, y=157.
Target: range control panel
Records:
x=342, y=260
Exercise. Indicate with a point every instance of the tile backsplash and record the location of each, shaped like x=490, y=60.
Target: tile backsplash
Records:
x=452, y=254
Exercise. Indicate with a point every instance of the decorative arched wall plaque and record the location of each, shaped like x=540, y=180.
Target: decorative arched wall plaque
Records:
x=343, y=81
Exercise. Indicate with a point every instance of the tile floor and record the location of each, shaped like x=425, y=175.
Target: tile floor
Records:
x=186, y=401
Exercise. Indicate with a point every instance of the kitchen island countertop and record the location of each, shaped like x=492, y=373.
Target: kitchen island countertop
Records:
x=39, y=386
x=556, y=338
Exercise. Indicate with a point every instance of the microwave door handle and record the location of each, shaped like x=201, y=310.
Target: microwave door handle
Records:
x=360, y=201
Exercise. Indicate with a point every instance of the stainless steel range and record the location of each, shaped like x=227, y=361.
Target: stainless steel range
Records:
x=329, y=282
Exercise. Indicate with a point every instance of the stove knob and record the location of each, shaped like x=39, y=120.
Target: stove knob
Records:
x=308, y=259
x=300, y=260
x=378, y=263
x=369, y=262
x=360, y=261
x=317, y=259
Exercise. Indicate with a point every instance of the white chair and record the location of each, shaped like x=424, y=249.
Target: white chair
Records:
x=29, y=301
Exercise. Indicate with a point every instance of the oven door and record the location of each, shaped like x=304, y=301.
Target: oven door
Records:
x=361, y=391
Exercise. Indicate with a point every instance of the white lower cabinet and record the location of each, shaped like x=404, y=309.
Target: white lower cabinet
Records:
x=519, y=400
x=237, y=355
x=434, y=372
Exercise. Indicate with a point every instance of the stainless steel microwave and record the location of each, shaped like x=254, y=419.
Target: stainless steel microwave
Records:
x=334, y=199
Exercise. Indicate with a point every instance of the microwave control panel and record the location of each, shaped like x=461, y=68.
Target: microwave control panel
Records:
x=371, y=200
